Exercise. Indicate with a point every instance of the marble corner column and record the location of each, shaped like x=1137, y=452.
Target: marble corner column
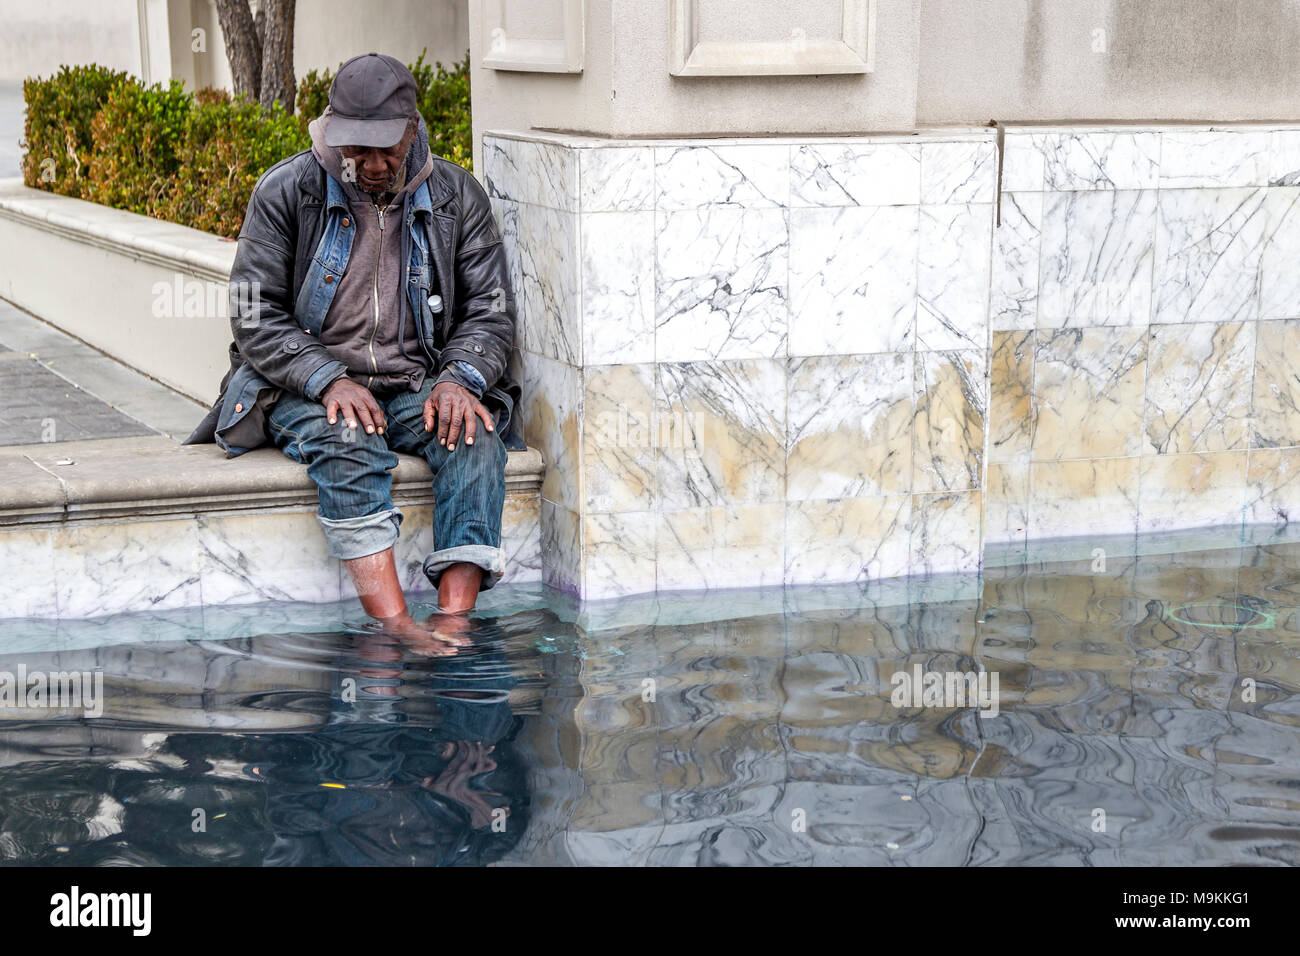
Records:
x=751, y=362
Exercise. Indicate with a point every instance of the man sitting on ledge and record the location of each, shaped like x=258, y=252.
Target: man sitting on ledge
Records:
x=372, y=312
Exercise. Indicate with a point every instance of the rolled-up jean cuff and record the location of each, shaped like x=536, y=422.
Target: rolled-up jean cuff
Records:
x=491, y=560
x=350, y=538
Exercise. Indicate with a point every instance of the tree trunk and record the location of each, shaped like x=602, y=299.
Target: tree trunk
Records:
x=278, y=81
x=243, y=48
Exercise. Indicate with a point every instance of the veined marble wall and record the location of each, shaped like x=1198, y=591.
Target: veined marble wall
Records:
x=1144, y=313
x=766, y=361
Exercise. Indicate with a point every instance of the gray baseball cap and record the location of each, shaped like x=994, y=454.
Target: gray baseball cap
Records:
x=371, y=101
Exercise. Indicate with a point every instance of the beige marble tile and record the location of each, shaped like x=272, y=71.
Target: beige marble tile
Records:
x=1273, y=486
x=1006, y=502
x=945, y=533
x=1197, y=397
x=552, y=409
x=849, y=430
x=951, y=398
x=721, y=433
x=1088, y=392
x=1191, y=491
x=1275, y=420
x=735, y=546
x=619, y=553
x=619, y=438
x=1011, y=407
x=1073, y=498
x=846, y=539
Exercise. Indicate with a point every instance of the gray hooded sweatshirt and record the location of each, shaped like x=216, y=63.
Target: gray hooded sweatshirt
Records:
x=368, y=326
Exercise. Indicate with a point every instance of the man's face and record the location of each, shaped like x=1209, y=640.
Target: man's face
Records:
x=376, y=169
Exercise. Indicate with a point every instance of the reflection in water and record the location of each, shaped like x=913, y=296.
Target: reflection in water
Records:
x=1146, y=714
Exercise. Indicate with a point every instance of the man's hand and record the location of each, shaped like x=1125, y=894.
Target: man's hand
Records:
x=356, y=405
x=450, y=406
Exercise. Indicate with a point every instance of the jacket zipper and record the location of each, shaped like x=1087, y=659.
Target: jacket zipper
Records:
x=379, y=253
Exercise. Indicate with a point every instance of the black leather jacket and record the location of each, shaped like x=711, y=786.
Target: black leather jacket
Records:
x=272, y=351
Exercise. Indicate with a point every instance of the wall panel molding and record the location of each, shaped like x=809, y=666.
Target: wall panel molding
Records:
x=503, y=50
x=853, y=51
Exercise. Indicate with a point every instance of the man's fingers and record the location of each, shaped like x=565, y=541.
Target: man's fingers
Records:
x=471, y=426
x=332, y=410
x=347, y=412
x=457, y=417
x=363, y=414
x=444, y=419
x=376, y=414
x=488, y=421
x=430, y=413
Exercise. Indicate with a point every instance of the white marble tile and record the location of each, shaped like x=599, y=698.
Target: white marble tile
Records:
x=721, y=547
x=616, y=179
x=852, y=279
x=267, y=556
x=1022, y=163
x=855, y=174
x=961, y=172
x=412, y=547
x=848, y=539
x=1207, y=255
x=549, y=261
x=953, y=277
x=750, y=177
x=620, y=553
x=849, y=432
x=506, y=212
x=1013, y=293
x=721, y=433
x=618, y=281
x=721, y=284
x=1283, y=165
x=541, y=174
x=27, y=561
x=561, y=543
x=944, y=533
x=1279, y=279
x=1075, y=160
x=521, y=539
x=1214, y=158
x=138, y=565
x=1097, y=254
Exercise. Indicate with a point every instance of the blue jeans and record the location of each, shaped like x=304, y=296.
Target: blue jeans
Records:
x=351, y=470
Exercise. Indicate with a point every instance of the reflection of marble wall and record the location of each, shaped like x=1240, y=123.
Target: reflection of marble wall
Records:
x=766, y=361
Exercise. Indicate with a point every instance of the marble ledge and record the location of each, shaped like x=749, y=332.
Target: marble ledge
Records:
x=156, y=476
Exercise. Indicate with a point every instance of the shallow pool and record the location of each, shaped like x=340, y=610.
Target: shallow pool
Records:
x=1140, y=709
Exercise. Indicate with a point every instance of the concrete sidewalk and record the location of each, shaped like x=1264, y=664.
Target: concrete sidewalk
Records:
x=55, y=388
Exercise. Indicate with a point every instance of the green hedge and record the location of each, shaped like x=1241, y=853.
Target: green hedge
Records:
x=193, y=159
